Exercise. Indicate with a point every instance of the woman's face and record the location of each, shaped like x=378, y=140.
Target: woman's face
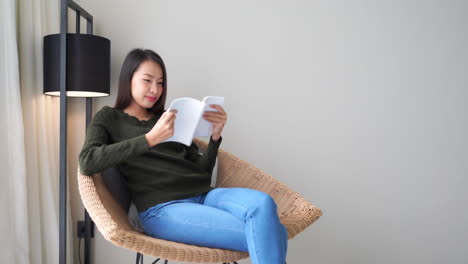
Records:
x=147, y=84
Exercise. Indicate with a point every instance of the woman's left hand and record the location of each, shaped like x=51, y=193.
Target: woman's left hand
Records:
x=218, y=119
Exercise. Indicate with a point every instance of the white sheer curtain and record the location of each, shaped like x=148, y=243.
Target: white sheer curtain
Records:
x=29, y=136
x=14, y=220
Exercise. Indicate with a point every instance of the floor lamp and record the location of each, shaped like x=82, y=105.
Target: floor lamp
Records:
x=80, y=65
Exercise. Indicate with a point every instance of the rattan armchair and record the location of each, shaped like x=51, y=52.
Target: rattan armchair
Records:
x=111, y=219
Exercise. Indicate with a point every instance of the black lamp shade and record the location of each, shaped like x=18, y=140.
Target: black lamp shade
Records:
x=88, y=65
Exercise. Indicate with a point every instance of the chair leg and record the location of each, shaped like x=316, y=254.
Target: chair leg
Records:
x=139, y=258
x=165, y=261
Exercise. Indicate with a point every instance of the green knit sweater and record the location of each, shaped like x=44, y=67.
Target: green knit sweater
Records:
x=153, y=175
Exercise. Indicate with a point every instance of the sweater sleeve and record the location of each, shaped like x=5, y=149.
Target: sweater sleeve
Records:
x=208, y=160
x=98, y=154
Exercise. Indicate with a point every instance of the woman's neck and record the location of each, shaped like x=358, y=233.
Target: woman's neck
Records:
x=138, y=112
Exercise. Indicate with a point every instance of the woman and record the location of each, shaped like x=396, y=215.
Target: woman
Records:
x=170, y=182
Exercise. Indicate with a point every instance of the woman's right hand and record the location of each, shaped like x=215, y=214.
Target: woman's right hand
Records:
x=163, y=129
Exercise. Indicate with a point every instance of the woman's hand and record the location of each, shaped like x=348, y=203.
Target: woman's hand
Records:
x=218, y=119
x=163, y=129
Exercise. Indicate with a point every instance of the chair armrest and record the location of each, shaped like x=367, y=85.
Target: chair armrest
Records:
x=234, y=172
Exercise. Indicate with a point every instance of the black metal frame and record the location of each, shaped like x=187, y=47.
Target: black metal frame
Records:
x=139, y=260
x=80, y=12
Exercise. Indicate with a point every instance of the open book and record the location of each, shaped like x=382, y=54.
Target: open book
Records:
x=189, y=122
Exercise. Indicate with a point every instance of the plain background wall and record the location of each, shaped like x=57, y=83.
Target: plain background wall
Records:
x=360, y=106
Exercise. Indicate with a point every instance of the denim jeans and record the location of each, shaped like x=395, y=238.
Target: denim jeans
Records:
x=229, y=218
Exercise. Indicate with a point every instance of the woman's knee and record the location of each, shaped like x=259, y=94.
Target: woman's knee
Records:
x=264, y=200
x=269, y=201
x=241, y=201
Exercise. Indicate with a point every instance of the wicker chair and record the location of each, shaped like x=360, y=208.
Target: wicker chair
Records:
x=111, y=219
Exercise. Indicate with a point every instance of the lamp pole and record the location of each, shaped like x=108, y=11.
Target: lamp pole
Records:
x=65, y=4
x=63, y=134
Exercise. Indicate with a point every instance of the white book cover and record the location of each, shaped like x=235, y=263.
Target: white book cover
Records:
x=189, y=122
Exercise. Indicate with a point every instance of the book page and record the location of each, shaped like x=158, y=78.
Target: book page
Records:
x=188, y=113
x=205, y=128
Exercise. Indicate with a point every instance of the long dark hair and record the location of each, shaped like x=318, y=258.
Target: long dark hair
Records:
x=131, y=63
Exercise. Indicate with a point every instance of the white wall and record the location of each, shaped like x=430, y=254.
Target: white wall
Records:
x=360, y=106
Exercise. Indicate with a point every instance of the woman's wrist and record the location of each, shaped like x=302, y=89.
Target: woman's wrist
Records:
x=215, y=137
x=150, y=140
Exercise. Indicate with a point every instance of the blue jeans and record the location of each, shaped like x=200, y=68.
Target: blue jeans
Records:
x=230, y=218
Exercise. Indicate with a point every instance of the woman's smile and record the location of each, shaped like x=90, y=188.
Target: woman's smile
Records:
x=151, y=99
